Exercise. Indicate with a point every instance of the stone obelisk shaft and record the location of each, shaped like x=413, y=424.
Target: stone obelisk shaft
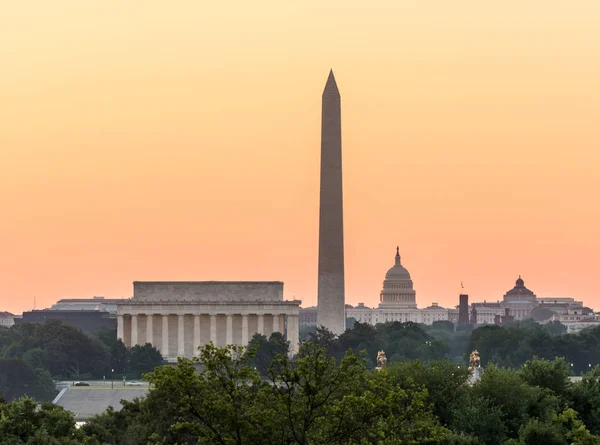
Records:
x=331, y=312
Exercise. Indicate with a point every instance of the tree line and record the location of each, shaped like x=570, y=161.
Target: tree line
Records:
x=33, y=355
x=508, y=346
x=314, y=398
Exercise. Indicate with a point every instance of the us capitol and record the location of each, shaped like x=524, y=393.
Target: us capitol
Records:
x=397, y=302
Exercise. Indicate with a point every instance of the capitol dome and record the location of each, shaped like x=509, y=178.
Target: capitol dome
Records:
x=398, y=289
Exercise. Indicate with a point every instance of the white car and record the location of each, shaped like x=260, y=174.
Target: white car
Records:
x=134, y=384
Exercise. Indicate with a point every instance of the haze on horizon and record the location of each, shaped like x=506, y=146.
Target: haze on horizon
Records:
x=164, y=141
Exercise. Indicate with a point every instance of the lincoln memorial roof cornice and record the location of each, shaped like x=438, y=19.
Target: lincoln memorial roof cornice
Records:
x=209, y=282
x=134, y=302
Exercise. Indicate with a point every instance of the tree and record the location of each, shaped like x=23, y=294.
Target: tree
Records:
x=479, y=417
x=563, y=429
x=585, y=397
x=320, y=400
x=224, y=403
x=518, y=401
x=311, y=399
x=17, y=378
x=119, y=356
x=21, y=422
x=555, y=328
x=143, y=359
x=553, y=375
x=262, y=352
x=444, y=381
x=69, y=351
x=36, y=358
x=134, y=424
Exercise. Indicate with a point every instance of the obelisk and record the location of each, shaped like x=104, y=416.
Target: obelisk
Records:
x=331, y=312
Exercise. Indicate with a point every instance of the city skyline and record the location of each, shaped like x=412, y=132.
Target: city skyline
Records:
x=184, y=145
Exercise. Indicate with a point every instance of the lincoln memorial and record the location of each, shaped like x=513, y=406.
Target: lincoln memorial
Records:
x=178, y=317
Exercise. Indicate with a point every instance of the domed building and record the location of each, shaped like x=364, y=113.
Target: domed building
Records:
x=397, y=289
x=519, y=293
x=397, y=301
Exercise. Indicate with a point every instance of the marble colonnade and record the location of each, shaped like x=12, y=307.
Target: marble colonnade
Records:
x=179, y=331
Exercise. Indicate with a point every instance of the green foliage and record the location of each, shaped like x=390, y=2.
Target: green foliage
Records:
x=119, y=356
x=562, y=429
x=513, y=345
x=553, y=375
x=143, y=359
x=400, y=341
x=36, y=358
x=261, y=352
x=444, y=381
x=69, y=351
x=479, y=417
x=327, y=394
x=319, y=398
x=313, y=399
x=518, y=401
x=41, y=350
x=21, y=422
x=17, y=378
x=585, y=396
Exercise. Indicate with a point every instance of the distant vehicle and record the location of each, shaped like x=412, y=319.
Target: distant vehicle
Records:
x=134, y=384
x=81, y=384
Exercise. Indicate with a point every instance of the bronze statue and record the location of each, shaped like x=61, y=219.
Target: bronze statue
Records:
x=474, y=360
x=381, y=360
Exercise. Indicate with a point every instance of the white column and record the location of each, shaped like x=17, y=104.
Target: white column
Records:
x=180, y=339
x=134, y=331
x=293, y=333
x=229, y=340
x=213, y=329
x=149, y=329
x=275, y=323
x=196, y=334
x=261, y=324
x=244, y=330
x=165, y=336
x=120, y=326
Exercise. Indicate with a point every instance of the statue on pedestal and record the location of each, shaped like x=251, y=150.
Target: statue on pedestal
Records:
x=474, y=366
x=381, y=360
x=474, y=360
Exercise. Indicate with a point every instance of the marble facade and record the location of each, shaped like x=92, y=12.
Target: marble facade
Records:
x=179, y=317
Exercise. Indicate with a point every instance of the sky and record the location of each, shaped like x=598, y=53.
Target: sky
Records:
x=152, y=140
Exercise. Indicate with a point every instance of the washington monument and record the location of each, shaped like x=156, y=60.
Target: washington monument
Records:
x=331, y=305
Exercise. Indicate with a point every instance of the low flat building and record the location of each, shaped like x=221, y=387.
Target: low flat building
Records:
x=88, y=304
x=308, y=316
x=576, y=320
x=88, y=321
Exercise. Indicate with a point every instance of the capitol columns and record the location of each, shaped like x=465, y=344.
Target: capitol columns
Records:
x=276, y=323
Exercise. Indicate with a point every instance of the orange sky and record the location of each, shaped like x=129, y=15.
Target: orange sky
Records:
x=153, y=140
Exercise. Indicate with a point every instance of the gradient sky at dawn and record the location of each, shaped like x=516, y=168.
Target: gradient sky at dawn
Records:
x=153, y=140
